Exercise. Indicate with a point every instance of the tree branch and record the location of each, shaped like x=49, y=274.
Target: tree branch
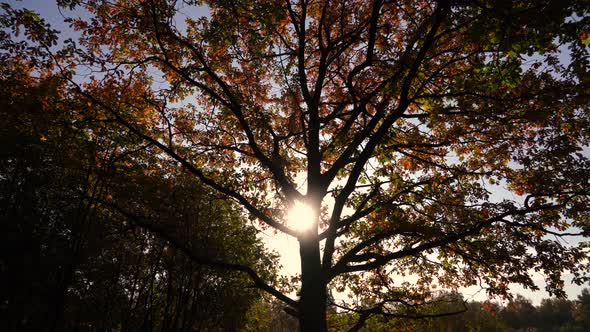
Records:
x=381, y=260
x=162, y=233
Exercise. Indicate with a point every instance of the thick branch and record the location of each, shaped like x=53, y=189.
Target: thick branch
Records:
x=379, y=309
x=162, y=233
x=377, y=137
x=190, y=167
x=234, y=104
x=377, y=260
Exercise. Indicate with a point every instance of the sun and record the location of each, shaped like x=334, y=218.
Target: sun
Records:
x=300, y=217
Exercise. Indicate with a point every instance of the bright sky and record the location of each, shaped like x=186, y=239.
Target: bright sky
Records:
x=285, y=245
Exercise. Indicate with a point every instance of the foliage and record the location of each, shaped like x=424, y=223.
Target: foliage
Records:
x=41, y=227
x=91, y=242
x=404, y=118
x=552, y=315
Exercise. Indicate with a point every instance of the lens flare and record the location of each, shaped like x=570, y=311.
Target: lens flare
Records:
x=300, y=217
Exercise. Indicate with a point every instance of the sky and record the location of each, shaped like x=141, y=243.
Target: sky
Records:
x=285, y=245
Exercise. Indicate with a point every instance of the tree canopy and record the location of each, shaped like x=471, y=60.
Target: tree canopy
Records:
x=446, y=140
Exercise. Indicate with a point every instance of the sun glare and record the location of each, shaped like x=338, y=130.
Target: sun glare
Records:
x=300, y=217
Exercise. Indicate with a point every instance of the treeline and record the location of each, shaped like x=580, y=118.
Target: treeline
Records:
x=552, y=315
x=517, y=315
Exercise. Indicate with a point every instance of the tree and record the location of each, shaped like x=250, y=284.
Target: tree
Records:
x=520, y=314
x=138, y=274
x=82, y=247
x=43, y=226
x=581, y=311
x=555, y=315
x=403, y=118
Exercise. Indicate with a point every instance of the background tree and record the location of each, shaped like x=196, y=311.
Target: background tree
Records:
x=82, y=248
x=581, y=312
x=402, y=117
x=520, y=314
x=43, y=226
x=555, y=315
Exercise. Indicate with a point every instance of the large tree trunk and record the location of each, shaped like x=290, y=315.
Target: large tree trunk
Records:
x=312, y=304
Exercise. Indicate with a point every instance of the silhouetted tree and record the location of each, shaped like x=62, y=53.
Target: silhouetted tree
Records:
x=400, y=116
